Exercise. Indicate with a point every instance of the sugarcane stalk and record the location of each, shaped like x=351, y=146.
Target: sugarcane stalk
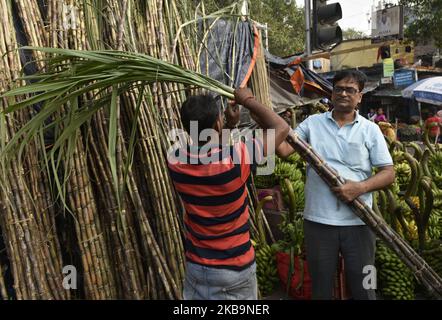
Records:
x=259, y=215
x=251, y=191
x=3, y=292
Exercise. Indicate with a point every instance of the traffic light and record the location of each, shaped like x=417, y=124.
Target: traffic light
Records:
x=325, y=29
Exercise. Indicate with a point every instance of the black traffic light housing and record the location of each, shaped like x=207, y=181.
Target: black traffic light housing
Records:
x=325, y=30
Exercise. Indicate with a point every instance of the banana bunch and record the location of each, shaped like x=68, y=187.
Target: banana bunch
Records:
x=295, y=159
x=395, y=188
x=395, y=280
x=434, y=225
x=266, y=269
x=437, y=178
x=435, y=165
x=292, y=229
x=298, y=188
x=412, y=229
x=433, y=256
x=437, y=193
x=403, y=174
x=397, y=155
x=435, y=161
x=264, y=182
x=287, y=170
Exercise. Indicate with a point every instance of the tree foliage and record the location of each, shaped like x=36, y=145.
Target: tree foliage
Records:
x=285, y=25
x=350, y=34
x=425, y=23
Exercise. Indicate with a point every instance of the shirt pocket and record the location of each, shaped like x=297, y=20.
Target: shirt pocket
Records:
x=356, y=154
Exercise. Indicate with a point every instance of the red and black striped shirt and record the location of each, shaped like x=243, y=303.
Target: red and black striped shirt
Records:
x=213, y=188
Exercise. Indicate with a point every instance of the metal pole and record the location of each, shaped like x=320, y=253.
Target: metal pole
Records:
x=308, y=44
x=267, y=36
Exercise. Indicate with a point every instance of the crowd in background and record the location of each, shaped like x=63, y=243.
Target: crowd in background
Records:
x=432, y=124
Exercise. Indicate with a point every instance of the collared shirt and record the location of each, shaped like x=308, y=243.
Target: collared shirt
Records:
x=352, y=150
x=212, y=185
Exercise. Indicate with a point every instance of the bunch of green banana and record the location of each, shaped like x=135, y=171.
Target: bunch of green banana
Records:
x=395, y=279
x=264, y=182
x=395, y=188
x=435, y=166
x=287, y=170
x=295, y=159
x=293, y=232
x=403, y=174
x=397, y=155
x=434, y=225
x=437, y=193
x=266, y=269
x=433, y=255
x=298, y=188
x=435, y=161
x=437, y=178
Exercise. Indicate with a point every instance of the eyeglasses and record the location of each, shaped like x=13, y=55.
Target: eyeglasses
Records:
x=349, y=90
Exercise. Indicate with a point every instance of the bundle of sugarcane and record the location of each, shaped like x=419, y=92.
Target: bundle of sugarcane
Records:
x=423, y=272
x=90, y=232
x=169, y=283
x=109, y=205
x=259, y=79
x=27, y=216
x=131, y=25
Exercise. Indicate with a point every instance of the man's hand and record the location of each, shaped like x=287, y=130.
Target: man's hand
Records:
x=265, y=118
x=232, y=114
x=242, y=95
x=349, y=191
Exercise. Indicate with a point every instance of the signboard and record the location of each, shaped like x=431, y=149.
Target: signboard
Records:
x=388, y=67
x=403, y=78
x=388, y=23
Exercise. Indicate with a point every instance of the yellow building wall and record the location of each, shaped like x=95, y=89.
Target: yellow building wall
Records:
x=325, y=65
x=365, y=57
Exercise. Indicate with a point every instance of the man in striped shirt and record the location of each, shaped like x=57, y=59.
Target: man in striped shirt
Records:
x=211, y=179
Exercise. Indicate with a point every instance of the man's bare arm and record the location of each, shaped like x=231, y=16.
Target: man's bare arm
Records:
x=352, y=189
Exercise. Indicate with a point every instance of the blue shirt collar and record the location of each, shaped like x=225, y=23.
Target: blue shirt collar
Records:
x=356, y=120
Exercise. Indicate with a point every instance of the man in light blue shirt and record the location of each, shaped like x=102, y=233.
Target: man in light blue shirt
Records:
x=352, y=145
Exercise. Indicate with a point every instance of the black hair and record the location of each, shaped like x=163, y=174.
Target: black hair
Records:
x=356, y=75
x=200, y=108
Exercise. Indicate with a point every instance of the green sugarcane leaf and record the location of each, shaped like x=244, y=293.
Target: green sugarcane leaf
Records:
x=112, y=142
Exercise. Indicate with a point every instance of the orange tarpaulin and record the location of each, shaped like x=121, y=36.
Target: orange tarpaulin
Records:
x=256, y=48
